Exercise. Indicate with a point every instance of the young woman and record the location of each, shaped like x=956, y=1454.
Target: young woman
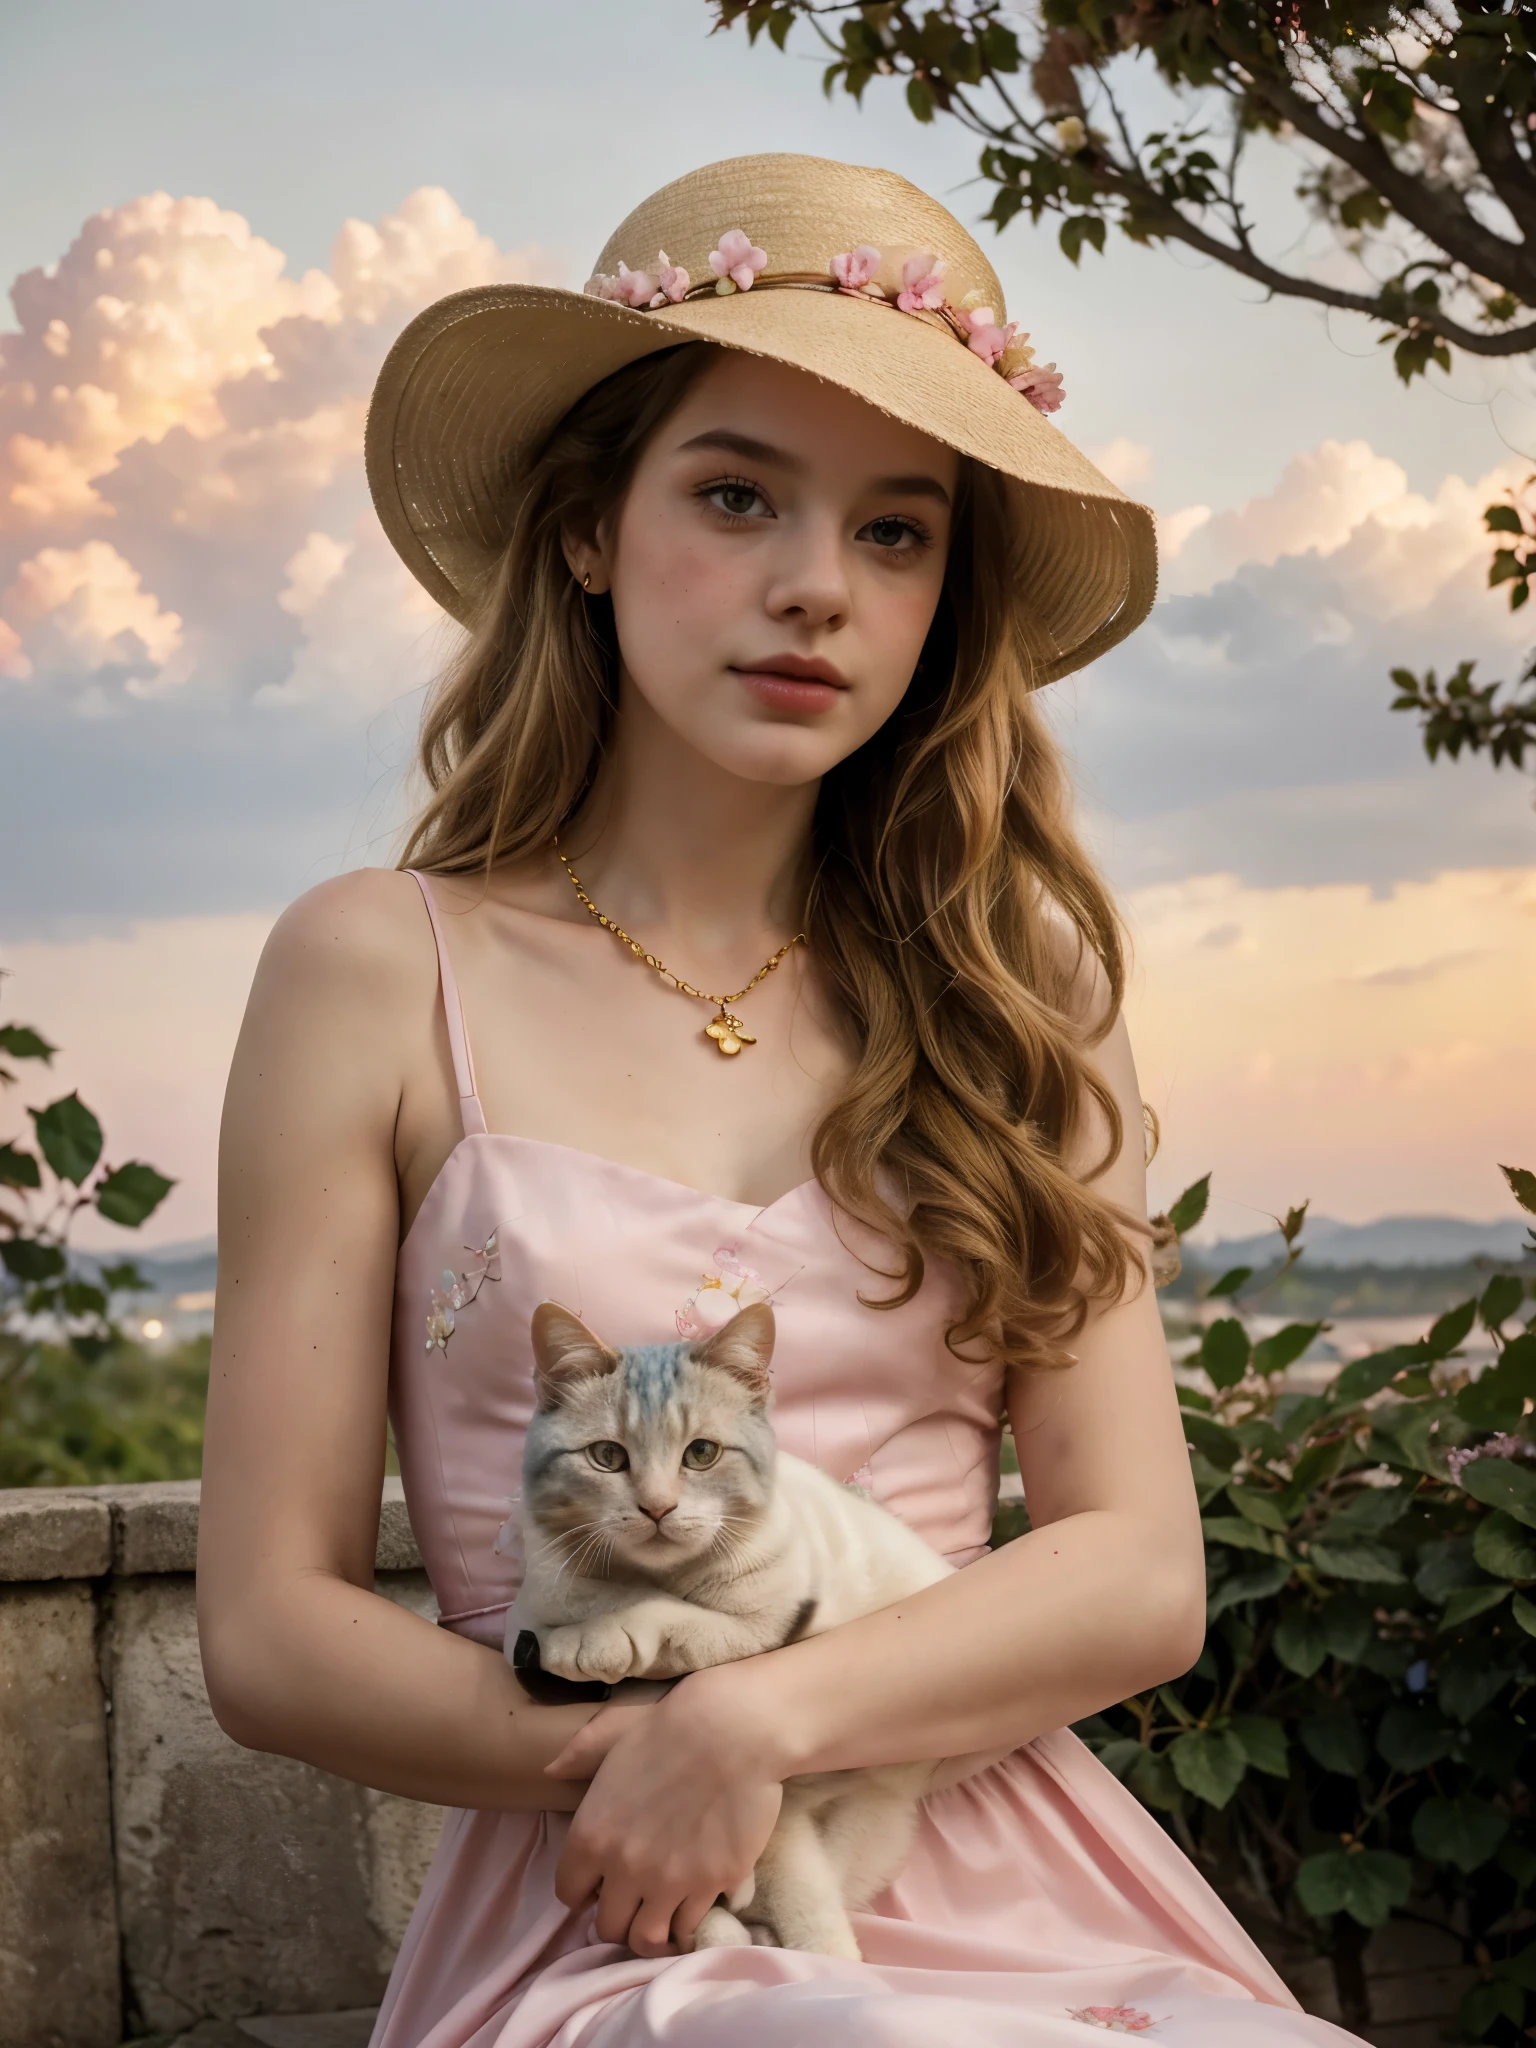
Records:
x=747, y=871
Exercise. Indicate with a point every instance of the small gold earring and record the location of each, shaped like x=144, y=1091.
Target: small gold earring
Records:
x=586, y=580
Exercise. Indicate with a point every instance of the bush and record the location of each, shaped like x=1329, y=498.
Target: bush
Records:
x=57, y=1327
x=1357, y=1739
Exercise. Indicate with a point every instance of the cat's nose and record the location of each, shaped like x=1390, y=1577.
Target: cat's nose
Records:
x=658, y=1515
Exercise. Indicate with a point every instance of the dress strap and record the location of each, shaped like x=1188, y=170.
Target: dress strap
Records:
x=453, y=1015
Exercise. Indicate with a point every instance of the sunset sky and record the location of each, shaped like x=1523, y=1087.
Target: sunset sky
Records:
x=211, y=664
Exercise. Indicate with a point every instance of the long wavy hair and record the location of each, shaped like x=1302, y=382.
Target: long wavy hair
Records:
x=951, y=909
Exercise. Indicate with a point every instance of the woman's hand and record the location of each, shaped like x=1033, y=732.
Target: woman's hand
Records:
x=682, y=1800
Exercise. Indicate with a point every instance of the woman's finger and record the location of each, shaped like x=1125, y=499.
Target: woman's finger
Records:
x=617, y=1905
x=650, y=1932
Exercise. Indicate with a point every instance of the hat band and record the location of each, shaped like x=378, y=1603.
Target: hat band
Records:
x=739, y=266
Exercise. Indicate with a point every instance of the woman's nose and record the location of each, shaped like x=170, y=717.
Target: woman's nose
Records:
x=811, y=586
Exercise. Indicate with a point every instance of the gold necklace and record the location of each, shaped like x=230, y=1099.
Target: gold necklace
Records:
x=725, y=1028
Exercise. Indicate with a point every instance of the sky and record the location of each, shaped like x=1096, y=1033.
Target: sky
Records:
x=211, y=665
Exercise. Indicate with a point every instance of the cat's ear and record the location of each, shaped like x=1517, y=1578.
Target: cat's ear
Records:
x=743, y=1348
x=564, y=1351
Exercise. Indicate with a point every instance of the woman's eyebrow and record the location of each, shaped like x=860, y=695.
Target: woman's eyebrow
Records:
x=728, y=443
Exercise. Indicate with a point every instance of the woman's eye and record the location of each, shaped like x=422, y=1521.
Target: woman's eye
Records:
x=736, y=500
x=701, y=1454
x=895, y=533
x=608, y=1457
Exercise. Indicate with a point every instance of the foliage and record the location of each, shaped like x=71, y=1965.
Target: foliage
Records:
x=128, y=1416
x=1410, y=123
x=1469, y=715
x=46, y=1297
x=1358, y=1736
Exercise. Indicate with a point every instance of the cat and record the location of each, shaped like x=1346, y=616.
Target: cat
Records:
x=666, y=1532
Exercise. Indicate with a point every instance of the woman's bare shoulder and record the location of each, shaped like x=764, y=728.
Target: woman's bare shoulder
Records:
x=366, y=930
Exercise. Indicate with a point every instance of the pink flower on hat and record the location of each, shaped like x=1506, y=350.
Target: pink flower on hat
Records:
x=987, y=339
x=737, y=259
x=638, y=286
x=673, y=283
x=1042, y=384
x=922, y=276
x=856, y=269
x=600, y=287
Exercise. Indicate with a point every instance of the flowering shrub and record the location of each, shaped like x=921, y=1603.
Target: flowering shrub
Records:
x=1354, y=1741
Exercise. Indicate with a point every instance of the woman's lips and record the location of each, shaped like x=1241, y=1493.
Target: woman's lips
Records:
x=797, y=688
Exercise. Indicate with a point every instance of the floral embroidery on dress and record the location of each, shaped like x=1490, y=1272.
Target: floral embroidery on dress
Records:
x=1114, y=2019
x=458, y=1290
x=720, y=1294
x=862, y=1481
x=509, y=1537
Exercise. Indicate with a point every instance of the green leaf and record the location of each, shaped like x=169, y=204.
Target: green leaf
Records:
x=1471, y=1678
x=1365, y=1883
x=1500, y=1483
x=1079, y=228
x=1240, y=1534
x=1524, y=1612
x=1449, y=1330
x=69, y=1137
x=1120, y=1756
x=1264, y=1743
x=1274, y=1354
x=1501, y=1546
x=1367, y=1376
x=1190, y=1207
x=18, y=1169
x=1464, y=1832
x=1335, y=1740
x=1412, y=1738
x=1445, y=1565
x=1209, y=1480
x=1501, y=1297
x=1211, y=1763
x=1496, y=1398
x=1259, y=1583
x=1152, y=1780
x=28, y=1259
x=1468, y=1601
x=1372, y=1509
x=1299, y=1642
x=1224, y=1352
x=132, y=1192
x=23, y=1043
x=1230, y=1281
x=1346, y=1626
x=920, y=100
x=1521, y=1968
x=1494, y=1999
x=1355, y=1558
x=1522, y=1185
x=1212, y=1437
x=1262, y=1508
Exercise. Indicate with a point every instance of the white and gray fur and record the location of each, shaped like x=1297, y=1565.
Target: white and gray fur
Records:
x=679, y=1557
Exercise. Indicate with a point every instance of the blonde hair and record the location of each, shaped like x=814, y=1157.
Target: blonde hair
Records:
x=951, y=907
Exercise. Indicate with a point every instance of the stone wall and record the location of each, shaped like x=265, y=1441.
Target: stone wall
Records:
x=154, y=1874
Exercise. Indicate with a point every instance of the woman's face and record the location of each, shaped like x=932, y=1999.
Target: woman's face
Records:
x=775, y=567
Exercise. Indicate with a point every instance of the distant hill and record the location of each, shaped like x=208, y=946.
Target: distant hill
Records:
x=1389, y=1241
x=189, y=1268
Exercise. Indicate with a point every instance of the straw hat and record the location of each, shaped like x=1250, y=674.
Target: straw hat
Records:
x=474, y=385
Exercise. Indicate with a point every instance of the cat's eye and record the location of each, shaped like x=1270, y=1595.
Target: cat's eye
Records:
x=701, y=1454
x=608, y=1457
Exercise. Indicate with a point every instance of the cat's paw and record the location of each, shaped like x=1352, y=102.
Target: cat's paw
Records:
x=721, y=1929
x=593, y=1649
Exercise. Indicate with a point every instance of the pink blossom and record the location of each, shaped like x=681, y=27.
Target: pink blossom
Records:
x=923, y=278
x=1503, y=1445
x=857, y=268
x=988, y=340
x=601, y=287
x=638, y=286
x=1042, y=384
x=737, y=259
x=673, y=283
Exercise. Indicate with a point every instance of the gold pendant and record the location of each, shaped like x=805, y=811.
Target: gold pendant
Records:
x=728, y=1032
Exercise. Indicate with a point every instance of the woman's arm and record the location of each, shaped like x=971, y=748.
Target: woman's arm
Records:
x=1104, y=1597
x=300, y=1655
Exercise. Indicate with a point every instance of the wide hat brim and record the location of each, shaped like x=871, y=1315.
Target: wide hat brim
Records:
x=472, y=388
